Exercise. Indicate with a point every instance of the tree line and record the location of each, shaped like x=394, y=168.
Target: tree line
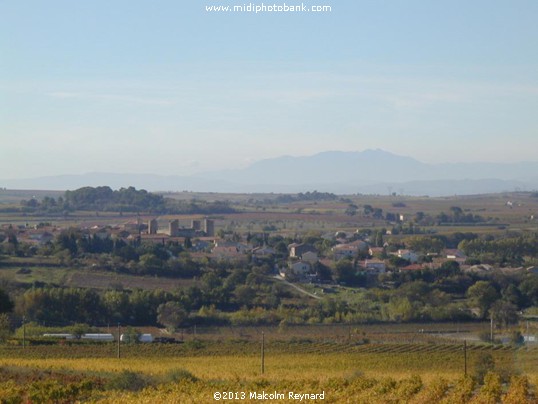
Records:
x=104, y=199
x=250, y=296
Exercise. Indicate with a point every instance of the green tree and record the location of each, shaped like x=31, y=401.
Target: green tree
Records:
x=150, y=263
x=171, y=314
x=367, y=210
x=6, y=305
x=131, y=335
x=351, y=210
x=513, y=295
x=116, y=304
x=482, y=295
x=378, y=238
x=322, y=271
x=344, y=271
x=504, y=312
x=424, y=244
x=245, y=295
x=529, y=290
x=5, y=327
x=399, y=309
x=414, y=291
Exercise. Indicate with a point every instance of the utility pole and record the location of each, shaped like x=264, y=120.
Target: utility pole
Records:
x=263, y=352
x=23, y=332
x=119, y=341
x=526, y=338
x=465, y=355
x=491, y=329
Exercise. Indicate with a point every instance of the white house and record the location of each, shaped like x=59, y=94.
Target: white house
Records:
x=343, y=250
x=408, y=255
x=375, y=266
x=42, y=238
x=263, y=252
x=349, y=249
x=310, y=257
x=297, y=250
x=453, y=254
x=300, y=268
x=376, y=251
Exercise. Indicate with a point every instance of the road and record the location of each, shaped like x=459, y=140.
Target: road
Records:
x=298, y=288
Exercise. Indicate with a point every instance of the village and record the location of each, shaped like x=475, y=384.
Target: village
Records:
x=267, y=259
x=297, y=262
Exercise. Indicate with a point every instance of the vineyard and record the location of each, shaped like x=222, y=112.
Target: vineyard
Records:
x=194, y=371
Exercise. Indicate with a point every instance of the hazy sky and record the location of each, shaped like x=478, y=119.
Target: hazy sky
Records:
x=166, y=87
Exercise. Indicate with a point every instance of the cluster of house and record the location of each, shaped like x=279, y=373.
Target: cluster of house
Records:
x=201, y=231
x=132, y=230
x=300, y=262
x=34, y=235
x=304, y=256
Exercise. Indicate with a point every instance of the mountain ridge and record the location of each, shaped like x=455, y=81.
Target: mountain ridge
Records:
x=344, y=172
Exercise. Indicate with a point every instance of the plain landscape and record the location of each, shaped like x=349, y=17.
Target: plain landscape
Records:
x=394, y=298
x=299, y=201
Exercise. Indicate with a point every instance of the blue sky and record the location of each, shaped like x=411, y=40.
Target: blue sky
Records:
x=166, y=87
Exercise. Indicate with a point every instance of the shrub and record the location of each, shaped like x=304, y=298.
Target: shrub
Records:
x=128, y=380
x=10, y=393
x=177, y=375
x=518, y=391
x=492, y=388
x=484, y=363
x=516, y=338
x=54, y=391
x=485, y=336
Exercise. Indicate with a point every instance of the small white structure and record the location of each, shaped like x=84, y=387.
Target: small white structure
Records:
x=125, y=338
x=372, y=251
x=59, y=335
x=145, y=338
x=98, y=337
x=141, y=338
x=408, y=255
x=454, y=254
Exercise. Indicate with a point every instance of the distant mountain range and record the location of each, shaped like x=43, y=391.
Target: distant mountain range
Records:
x=366, y=172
